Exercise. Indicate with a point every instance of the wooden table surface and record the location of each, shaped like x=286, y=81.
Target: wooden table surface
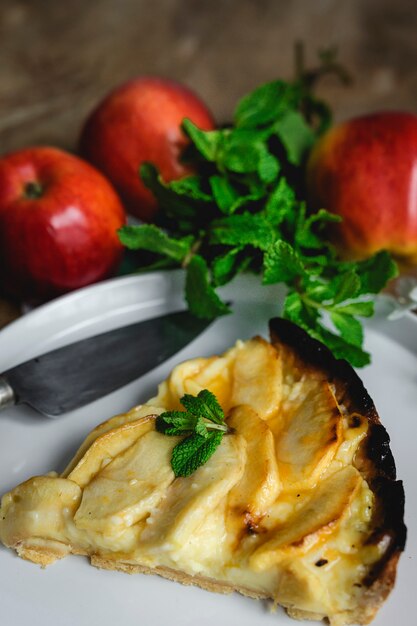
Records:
x=57, y=59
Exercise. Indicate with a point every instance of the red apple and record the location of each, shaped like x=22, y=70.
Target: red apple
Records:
x=140, y=121
x=365, y=170
x=58, y=221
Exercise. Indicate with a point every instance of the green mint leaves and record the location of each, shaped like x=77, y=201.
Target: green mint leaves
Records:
x=244, y=210
x=203, y=425
x=193, y=452
x=200, y=294
x=327, y=299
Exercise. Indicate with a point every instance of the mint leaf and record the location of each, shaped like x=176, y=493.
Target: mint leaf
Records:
x=266, y=103
x=149, y=237
x=175, y=423
x=281, y=204
x=225, y=267
x=190, y=186
x=205, y=404
x=349, y=327
x=363, y=309
x=208, y=143
x=243, y=229
x=309, y=231
x=281, y=264
x=375, y=272
x=346, y=286
x=194, y=451
x=241, y=158
x=342, y=349
x=268, y=167
x=229, y=200
x=293, y=306
x=224, y=193
x=297, y=311
x=295, y=134
x=246, y=152
x=173, y=203
x=201, y=297
x=201, y=428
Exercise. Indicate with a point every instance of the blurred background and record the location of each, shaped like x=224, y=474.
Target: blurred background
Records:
x=58, y=59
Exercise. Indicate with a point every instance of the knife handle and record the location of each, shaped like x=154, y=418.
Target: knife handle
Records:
x=7, y=397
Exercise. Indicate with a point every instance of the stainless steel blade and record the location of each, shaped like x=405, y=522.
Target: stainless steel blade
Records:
x=76, y=374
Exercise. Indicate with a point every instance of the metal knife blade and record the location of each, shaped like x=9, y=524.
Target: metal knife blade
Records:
x=74, y=375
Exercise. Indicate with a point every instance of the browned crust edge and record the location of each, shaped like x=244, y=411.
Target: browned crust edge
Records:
x=376, y=460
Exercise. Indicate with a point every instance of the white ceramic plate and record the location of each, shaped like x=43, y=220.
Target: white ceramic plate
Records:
x=71, y=592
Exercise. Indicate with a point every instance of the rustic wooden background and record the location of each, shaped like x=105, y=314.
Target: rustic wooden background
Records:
x=57, y=59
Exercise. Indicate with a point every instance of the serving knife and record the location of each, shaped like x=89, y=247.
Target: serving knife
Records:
x=76, y=374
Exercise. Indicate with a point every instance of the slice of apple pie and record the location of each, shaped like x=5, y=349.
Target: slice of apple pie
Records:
x=298, y=503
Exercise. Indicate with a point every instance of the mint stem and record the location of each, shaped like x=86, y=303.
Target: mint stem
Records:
x=194, y=249
x=211, y=426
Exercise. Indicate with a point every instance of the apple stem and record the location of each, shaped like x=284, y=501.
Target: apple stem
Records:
x=33, y=190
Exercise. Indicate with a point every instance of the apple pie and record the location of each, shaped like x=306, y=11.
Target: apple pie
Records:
x=299, y=503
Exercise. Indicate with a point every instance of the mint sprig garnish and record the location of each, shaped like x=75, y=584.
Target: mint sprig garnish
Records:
x=203, y=425
x=245, y=210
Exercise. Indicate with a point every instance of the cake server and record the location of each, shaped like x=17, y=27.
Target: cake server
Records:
x=70, y=377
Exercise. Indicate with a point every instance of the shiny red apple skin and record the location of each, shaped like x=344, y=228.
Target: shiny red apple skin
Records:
x=65, y=238
x=365, y=170
x=137, y=122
